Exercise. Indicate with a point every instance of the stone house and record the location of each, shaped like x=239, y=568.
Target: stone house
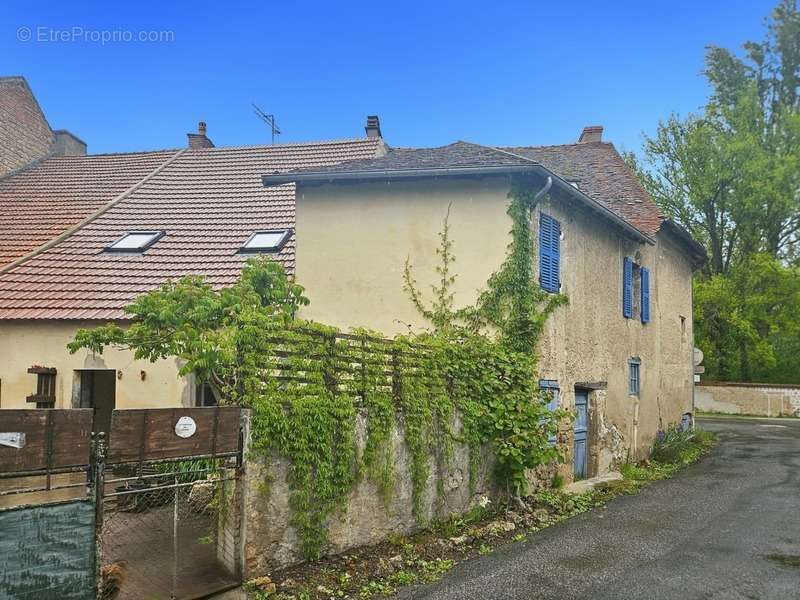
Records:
x=620, y=353
x=83, y=235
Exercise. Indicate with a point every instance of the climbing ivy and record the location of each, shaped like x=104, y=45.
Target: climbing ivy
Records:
x=309, y=387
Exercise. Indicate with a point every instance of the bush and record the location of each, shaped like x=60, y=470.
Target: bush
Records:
x=678, y=447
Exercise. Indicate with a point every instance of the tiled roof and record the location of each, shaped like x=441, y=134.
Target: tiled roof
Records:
x=457, y=155
x=208, y=201
x=596, y=168
x=599, y=171
x=41, y=202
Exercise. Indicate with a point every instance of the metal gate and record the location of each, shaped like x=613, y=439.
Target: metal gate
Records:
x=168, y=503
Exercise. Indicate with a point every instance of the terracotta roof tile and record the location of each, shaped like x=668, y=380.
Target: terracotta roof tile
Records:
x=208, y=201
x=599, y=171
x=57, y=193
x=596, y=168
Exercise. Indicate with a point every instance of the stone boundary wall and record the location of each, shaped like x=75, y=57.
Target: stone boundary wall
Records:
x=271, y=543
x=763, y=399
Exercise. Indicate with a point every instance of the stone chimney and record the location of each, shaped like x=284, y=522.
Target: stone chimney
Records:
x=592, y=133
x=373, y=127
x=199, y=139
x=66, y=143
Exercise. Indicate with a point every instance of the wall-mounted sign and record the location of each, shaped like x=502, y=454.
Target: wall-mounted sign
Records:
x=185, y=427
x=12, y=439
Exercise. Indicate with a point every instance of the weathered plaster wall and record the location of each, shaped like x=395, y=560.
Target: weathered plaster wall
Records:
x=748, y=399
x=359, y=283
x=27, y=343
x=271, y=542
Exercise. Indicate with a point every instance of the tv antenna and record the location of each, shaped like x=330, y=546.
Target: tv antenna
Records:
x=269, y=120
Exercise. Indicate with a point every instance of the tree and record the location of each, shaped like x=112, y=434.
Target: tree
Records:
x=212, y=332
x=731, y=176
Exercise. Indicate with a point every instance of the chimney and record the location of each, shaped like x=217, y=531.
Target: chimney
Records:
x=66, y=143
x=592, y=133
x=199, y=139
x=373, y=127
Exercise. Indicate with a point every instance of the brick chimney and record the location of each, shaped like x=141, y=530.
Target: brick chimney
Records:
x=373, y=127
x=199, y=139
x=591, y=133
x=66, y=143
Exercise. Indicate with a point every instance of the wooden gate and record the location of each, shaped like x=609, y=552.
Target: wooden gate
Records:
x=168, y=503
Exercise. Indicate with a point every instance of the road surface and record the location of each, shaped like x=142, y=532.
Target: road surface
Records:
x=727, y=527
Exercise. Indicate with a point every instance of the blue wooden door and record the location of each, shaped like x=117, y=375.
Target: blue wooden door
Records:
x=581, y=423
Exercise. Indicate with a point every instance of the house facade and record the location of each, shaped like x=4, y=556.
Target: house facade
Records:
x=619, y=354
x=83, y=235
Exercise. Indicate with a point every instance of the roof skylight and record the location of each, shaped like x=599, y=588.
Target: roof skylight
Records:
x=266, y=241
x=135, y=241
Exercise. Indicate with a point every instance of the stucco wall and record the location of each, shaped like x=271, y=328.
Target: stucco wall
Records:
x=27, y=343
x=748, y=399
x=352, y=242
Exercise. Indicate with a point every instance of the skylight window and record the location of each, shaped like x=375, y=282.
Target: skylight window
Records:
x=135, y=241
x=266, y=241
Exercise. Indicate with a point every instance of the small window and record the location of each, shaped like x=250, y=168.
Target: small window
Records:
x=135, y=241
x=634, y=376
x=45, y=396
x=266, y=241
x=204, y=395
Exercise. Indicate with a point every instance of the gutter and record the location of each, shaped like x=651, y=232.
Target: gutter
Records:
x=320, y=177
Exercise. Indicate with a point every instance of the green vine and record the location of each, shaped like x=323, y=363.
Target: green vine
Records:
x=307, y=384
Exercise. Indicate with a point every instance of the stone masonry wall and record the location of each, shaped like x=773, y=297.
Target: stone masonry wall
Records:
x=270, y=542
x=25, y=135
x=748, y=399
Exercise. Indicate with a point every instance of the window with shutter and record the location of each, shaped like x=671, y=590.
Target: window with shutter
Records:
x=627, y=287
x=645, y=295
x=549, y=253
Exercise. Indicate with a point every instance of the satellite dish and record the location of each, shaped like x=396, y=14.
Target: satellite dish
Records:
x=697, y=357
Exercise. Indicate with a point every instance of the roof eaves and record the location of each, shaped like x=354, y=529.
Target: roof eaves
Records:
x=369, y=174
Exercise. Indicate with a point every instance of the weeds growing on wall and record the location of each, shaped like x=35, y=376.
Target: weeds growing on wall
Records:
x=305, y=383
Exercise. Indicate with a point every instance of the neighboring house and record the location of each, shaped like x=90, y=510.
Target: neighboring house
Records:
x=83, y=236
x=25, y=134
x=620, y=354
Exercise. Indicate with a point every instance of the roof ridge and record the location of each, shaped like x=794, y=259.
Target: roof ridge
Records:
x=99, y=212
x=602, y=143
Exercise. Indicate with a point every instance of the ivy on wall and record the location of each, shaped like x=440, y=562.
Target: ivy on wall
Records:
x=308, y=384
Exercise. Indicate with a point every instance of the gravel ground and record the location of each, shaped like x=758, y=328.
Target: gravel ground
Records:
x=727, y=527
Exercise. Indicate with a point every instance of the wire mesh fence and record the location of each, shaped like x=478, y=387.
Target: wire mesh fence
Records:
x=169, y=530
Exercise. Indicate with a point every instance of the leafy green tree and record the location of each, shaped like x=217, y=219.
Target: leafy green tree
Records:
x=731, y=176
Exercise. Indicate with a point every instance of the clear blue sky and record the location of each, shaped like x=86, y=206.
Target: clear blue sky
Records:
x=495, y=72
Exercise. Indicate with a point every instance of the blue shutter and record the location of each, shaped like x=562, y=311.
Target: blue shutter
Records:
x=627, y=288
x=549, y=253
x=645, y=295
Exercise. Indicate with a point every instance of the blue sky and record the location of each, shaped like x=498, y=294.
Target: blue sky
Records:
x=496, y=72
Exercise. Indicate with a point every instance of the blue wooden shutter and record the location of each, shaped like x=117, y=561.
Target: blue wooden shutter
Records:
x=645, y=295
x=549, y=253
x=627, y=288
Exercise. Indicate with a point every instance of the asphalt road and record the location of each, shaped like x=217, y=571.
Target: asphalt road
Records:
x=727, y=527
